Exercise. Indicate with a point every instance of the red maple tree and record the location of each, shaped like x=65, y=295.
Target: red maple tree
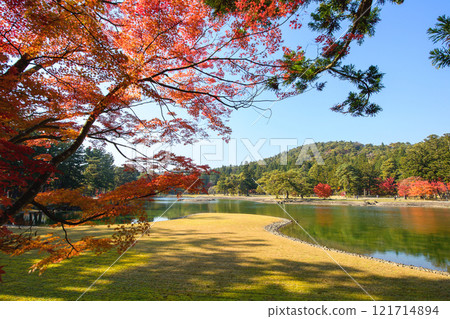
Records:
x=418, y=187
x=77, y=71
x=386, y=187
x=323, y=190
x=439, y=188
x=404, y=185
x=421, y=188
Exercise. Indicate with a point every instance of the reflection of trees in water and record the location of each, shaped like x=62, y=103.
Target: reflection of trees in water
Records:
x=36, y=218
x=421, y=219
x=30, y=218
x=324, y=217
x=363, y=238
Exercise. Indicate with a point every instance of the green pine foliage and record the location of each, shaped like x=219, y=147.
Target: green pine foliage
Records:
x=440, y=57
x=90, y=169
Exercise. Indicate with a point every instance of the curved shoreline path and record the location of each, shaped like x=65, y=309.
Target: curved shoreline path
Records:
x=214, y=256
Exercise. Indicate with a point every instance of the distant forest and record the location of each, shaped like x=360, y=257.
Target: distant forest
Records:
x=350, y=168
x=90, y=169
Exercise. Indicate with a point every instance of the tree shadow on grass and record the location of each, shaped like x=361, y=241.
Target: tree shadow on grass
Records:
x=196, y=265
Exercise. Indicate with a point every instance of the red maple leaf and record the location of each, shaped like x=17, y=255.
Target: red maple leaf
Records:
x=2, y=272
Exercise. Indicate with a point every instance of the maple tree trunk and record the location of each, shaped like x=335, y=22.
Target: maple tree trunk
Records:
x=37, y=185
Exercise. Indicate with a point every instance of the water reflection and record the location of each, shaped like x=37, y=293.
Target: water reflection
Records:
x=422, y=220
x=323, y=216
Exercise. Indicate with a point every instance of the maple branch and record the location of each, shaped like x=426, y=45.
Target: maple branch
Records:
x=216, y=97
x=117, y=144
x=19, y=69
x=87, y=126
x=247, y=35
x=109, y=21
x=12, y=45
x=158, y=35
x=249, y=61
x=66, y=237
x=112, y=2
x=54, y=59
x=154, y=94
x=38, y=137
x=58, y=79
x=147, y=195
x=63, y=222
x=227, y=81
x=59, y=56
x=194, y=64
x=31, y=130
x=33, y=70
x=75, y=14
x=55, y=218
x=114, y=129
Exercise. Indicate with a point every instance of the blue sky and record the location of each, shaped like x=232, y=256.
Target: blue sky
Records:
x=415, y=100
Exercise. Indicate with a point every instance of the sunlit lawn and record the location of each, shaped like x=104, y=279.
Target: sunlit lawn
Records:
x=217, y=257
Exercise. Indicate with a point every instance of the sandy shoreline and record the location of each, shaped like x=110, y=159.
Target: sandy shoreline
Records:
x=380, y=202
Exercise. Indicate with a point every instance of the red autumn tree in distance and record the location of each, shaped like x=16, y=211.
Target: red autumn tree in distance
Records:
x=418, y=187
x=323, y=190
x=386, y=187
x=77, y=71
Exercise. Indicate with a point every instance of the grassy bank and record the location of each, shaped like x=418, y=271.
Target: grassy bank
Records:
x=218, y=257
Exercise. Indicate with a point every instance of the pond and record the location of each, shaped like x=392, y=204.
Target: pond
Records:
x=409, y=235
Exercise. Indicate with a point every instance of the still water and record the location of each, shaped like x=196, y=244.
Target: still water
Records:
x=409, y=235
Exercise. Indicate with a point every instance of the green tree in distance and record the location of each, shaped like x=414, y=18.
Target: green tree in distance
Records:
x=389, y=169
x=348, y=178
x=247, y=180
x=318, y=173
x=99, y=172
x=292, y=182
x=69, y=173
x=125, y=174
x=429, y=159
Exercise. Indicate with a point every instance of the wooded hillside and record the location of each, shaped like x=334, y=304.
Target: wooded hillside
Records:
x=350, y=167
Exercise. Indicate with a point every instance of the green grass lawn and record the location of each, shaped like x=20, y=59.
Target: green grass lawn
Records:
x=217, y=257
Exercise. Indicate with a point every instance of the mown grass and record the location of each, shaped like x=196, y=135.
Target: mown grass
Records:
x=217, y=257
